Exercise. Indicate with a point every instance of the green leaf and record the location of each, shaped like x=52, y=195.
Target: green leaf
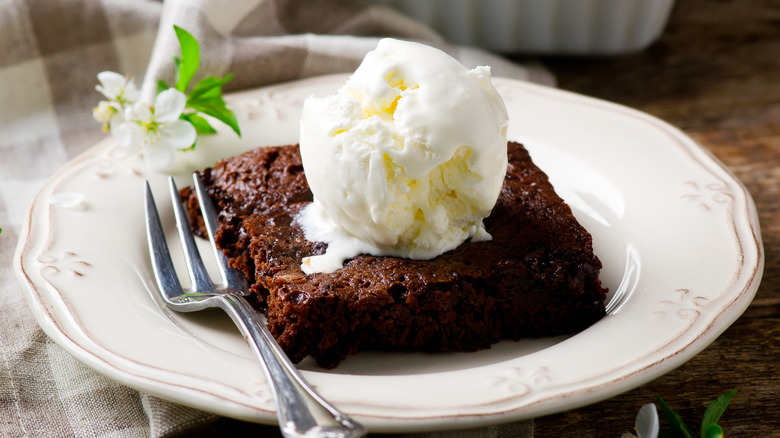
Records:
x=715, y=410
x=162, y=86
x=712, y=431
x=187, y=65
x=679, y=429
x=208, y=88
x=215, y=107
x=201, y=125
x=206, y=97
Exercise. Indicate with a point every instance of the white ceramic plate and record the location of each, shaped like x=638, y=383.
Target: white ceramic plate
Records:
x=677, y=234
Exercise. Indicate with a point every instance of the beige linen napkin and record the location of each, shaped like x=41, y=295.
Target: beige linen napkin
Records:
x=50, y=53
x=269, y=41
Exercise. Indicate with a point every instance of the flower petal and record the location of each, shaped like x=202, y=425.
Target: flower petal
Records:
x=139, y=112
x=111, y=78
x=131, y=92
x=104, y=112
x=158, y=157
x=67, y=199
x=128, y=135
x=647, y=425
x=111, y=84
x=169, y=104
x=178, y=134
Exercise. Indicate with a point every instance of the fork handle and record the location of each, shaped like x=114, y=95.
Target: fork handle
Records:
x=301, y=412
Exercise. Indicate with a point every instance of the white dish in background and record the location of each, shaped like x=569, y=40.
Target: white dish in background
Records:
x=573, y=27
x=677, y=234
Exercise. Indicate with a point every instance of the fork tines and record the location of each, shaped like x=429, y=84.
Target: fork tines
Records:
x=232, y=281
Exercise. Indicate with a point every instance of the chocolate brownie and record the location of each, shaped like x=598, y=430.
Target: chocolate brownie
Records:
x=537, y=277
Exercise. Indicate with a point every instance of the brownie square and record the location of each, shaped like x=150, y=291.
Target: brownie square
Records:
x=537, y=277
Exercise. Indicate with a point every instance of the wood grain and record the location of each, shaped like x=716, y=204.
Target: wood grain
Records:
x=714, y=73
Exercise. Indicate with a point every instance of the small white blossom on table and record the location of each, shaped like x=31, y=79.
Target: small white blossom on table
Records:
x=646, y=423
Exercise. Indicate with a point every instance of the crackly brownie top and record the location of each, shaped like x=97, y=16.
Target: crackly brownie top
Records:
x=261, y=191
x=537, y=276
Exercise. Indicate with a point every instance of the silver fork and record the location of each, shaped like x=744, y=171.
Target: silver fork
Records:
x=301, y=412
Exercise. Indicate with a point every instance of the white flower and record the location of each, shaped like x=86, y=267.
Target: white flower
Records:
x=117, y=88
x=107, y=113
x=156, y=130
x=646, y=423
x=120, y=92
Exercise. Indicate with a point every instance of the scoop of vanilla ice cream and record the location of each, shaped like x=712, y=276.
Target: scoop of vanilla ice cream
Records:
x=405, y=160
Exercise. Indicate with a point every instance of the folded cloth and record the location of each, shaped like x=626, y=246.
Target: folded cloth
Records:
x=50, y=53
x=264, y=42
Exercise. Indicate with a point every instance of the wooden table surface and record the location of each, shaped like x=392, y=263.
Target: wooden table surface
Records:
x=714, y=73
